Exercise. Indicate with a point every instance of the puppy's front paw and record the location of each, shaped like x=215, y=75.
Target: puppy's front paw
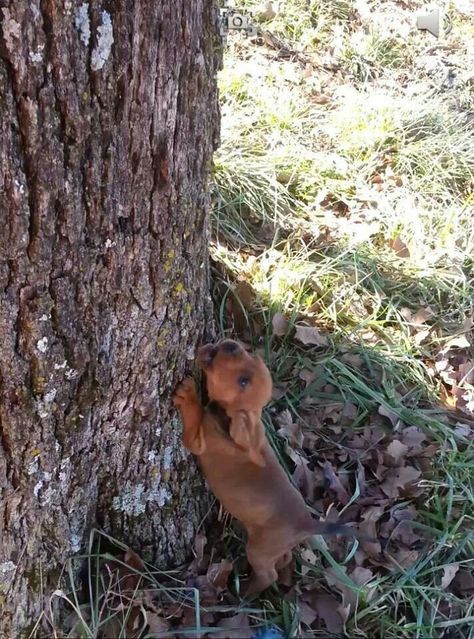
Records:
x=185, y=392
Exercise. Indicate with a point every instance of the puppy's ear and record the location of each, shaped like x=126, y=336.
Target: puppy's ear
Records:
x=246, y=429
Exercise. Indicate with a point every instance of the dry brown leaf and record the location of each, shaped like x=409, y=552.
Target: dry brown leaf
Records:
x=280, y=325
x=412, y=436
x=132, y=559
x=266, y=12
x=326, y=608
x=307, y=613
x=463, y=584
x=278, y=391
x=307, y=376
x=398, y=478
x=218, y=573
x=157, y=626
x=353, y=359
x=200, y=541
x=335, y=483
x=449, y=572
x=349, y=414
x=423, y=314
x=289, y=429
x=397, y=451
x=404, y=557
x=236, y=627
x=386, y=412
x=399, y=247
x=349, y=596
x=304, y=478
x=368, y=528
x=310, y=335
x=361, y=576
x=464, y=430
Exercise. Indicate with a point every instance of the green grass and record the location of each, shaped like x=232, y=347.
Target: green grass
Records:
x=318, y=174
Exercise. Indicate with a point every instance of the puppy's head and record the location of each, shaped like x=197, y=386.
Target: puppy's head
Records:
x=242, y=385
x=235, y=379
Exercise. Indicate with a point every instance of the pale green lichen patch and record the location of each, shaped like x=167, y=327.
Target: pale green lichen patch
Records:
x=133, y=499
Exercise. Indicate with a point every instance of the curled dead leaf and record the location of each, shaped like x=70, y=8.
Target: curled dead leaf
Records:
x=399, y=247
x=399, y=478
x=218, y=573
x=200, y=541
x=325, y=606
x=449, y=572
x=235, y=627
x=349, y=596
x=280, y=325
x=386, y=412
x=335, y=483
x=158, y=627
x=397, y=451
x=289, y=429
x=310, y=335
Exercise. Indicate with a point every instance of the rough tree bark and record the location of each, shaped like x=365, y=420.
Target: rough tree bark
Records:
x=108, y=118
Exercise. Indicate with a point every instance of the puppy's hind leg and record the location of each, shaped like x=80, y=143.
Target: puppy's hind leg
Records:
x=263, y=563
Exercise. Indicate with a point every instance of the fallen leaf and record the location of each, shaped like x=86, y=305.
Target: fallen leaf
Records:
x=307, y=613
x=218, y=573
x=349, y=414
x=404, y=557
x=398, y=478
x=326, y=608
x=424, y=313
x=368, y=528
x=132, y=559
x=361, y=575
x=335, y=483
x=463, y=430
x=310, y=335
x=280, y=325
x=278, y=392
x=353, y=359
x=157, y=626
x=307, y=376
x=304, y=478
x=289, y=429
x=200, y=542
x=397, y=451
x=449, y=572
x=349, y=596
x=399, y=247
x=236, y=627
x=463, y=584
x=412, y=436
x=386, y=412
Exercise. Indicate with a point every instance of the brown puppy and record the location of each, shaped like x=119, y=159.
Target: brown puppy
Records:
x=238, y=461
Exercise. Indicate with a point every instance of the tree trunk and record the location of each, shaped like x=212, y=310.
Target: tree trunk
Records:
x=108, y=116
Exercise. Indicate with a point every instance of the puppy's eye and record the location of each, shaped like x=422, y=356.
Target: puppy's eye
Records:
x=243, y=381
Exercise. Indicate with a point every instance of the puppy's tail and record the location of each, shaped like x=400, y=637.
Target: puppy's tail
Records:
x=328, y=529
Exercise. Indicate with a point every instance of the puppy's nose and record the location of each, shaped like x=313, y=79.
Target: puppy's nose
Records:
x=206, y=354
x=229, y=347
